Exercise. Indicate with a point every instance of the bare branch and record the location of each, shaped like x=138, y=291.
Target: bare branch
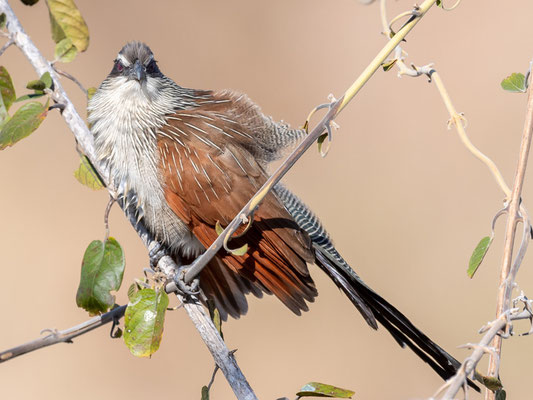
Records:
x=509, y=269
x=454, y=384
x=64, y=336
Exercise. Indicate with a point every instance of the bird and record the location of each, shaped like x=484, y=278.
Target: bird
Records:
x=187, y=160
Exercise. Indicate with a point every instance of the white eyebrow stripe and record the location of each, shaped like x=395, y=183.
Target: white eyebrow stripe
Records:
x=123, y=60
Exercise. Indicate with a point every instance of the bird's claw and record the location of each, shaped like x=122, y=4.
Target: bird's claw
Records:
x=187, y=289
x=155, y=253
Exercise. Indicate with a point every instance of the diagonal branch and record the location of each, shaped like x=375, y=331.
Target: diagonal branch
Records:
x=84, y=138
x=335, y=108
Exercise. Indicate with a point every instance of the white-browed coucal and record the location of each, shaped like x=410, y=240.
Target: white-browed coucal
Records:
x=187, y=159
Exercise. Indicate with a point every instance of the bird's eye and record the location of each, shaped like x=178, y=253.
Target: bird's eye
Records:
x=151, y=68
x=119, y=66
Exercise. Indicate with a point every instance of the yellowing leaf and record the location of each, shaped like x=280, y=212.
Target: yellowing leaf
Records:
x=144, y=321
x=26, y=120
x=218, y=228
x=65, y=51
x=90, y=92
x=316, y=389
x=67, y=22
x=215, y=316
x=86, y=175
x=241, y=251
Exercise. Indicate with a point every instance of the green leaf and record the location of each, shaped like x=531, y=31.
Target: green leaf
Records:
x=144, y=320
x=478, y=255
x=4, y=116
x=30, y=2
x=205, y=393
x=387, y=65
x=6, y=88
x=26, y=120
x=439, y=3
x=65, y=51
x=101, y=272
x=36, y=85
x=86, y=175
x=316, y=389
x=47, y=79
x=515, y=83
x=2, y=20
x=67, y=22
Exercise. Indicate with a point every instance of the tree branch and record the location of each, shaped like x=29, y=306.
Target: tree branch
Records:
x=64, y=336
x=508, y=273
x=335, y=108
x=202, y=322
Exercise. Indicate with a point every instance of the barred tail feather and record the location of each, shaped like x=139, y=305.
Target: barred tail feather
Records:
x=372, y=306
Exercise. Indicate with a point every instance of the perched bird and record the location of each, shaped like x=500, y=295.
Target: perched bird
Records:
x=187, y=159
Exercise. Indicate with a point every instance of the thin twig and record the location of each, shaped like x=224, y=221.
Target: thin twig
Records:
x=72, y=78
x=506, y=284
x=455, y=384
x=458, y=121
x=64, y=336
x=106, y=215
x=5, y=46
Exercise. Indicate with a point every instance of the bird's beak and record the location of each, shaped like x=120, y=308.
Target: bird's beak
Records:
x=138, y=72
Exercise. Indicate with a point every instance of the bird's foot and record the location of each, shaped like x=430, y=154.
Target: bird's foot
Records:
x=155, y=253
x=186, y=288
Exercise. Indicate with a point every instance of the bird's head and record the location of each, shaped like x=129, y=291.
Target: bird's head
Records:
x=135, y=61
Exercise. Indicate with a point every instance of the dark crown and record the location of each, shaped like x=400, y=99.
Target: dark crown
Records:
x=133, y=51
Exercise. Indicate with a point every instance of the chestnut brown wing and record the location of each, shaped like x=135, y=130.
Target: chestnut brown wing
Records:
x=209, y=177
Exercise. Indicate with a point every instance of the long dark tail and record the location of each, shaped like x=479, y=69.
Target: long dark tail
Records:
x=371, y=305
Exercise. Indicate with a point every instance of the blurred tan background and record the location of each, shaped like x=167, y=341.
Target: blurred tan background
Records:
x=402, y=198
